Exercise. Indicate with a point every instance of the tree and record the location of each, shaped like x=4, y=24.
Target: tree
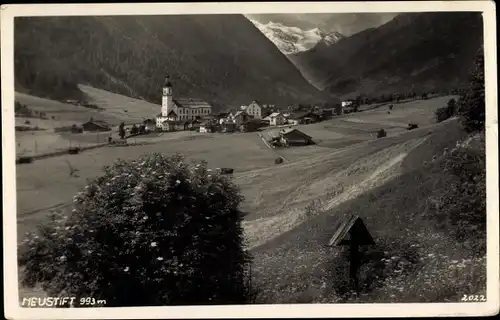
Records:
x=134, y=130
x=446, y=112
x=142, y=129
x=471, y=108
x=155, y=231
x=121, y=130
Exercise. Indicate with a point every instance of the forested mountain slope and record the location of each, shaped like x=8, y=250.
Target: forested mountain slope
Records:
x=430, y=51
x=221, y=58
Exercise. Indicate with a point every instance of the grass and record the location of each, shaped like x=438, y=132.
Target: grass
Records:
x=47, y=182
x=127, y=109
x=265, y=185
x=289, y=205
x=413, y=260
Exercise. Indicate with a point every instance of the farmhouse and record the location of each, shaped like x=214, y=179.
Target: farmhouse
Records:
x=228, y=126
x=239, y=118
x=182, y=109
x=96, y=126
x=208, y=127
x=292, y=137
x=348, y=106
x=253, y=109
x=302, y=117
x=174, y=125
x=276, y=119
x=347, y=103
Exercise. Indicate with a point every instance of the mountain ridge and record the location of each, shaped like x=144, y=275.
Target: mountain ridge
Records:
x=413, y=51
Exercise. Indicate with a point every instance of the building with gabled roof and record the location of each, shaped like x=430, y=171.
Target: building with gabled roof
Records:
x=254, y=109
x=276, y=119
x=291, y=136
x=180, y=109
x=96, y=125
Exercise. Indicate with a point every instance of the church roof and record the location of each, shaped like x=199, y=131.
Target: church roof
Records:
x=191, y=103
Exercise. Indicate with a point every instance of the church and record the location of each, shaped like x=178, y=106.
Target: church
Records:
x=179, y=114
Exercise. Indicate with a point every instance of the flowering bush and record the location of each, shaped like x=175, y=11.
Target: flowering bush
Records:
x=154, y=231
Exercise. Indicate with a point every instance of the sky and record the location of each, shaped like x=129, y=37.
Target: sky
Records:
x=345, y=23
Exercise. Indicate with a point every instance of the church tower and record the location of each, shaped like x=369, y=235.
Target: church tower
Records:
x=167, y=102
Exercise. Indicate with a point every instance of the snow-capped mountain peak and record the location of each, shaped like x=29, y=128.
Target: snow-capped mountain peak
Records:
x=332, y=37
x=291, y=40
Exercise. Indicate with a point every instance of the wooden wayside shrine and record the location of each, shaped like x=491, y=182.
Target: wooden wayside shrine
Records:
x=351, y=231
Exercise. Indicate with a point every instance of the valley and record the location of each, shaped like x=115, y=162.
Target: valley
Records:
x=315, y=121
x=347, y=163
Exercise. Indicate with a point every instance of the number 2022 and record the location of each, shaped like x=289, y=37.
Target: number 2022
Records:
x=473, y=298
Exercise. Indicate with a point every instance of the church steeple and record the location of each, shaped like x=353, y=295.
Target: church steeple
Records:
x=167, y=86
x=167, y=99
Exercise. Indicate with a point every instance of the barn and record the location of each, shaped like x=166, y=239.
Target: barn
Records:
x=294, y=137
x=96, y=126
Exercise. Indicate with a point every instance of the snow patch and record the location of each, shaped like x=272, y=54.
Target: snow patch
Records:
x=291, y=40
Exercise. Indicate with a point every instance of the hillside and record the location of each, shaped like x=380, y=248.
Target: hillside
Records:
x=221, y=58
x=412, y=52
x=417, y=257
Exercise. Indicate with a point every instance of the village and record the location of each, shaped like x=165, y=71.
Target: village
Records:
x=197, y=115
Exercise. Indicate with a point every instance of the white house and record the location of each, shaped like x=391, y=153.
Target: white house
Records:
x=276, y=119
x=347, y=103
x=253, y=109
x=182, y=109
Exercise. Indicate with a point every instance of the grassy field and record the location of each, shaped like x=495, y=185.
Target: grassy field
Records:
x=127, y=109
x=348, y=169
x=353, y=128
x=422, y=263
x=117, y=109
x=47, y=184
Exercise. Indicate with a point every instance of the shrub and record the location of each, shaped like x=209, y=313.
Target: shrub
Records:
x=155, y=231
x=381, y=133
x=121, y=130
x=472, y=105
x=134, y=130
x=446, y=112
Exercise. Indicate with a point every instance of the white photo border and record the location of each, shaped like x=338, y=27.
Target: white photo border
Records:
x=11, y=300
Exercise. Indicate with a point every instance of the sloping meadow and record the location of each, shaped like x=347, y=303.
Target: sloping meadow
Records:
x=430, y=246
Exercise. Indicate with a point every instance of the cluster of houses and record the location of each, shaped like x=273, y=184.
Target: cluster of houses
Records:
x=196, y=114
